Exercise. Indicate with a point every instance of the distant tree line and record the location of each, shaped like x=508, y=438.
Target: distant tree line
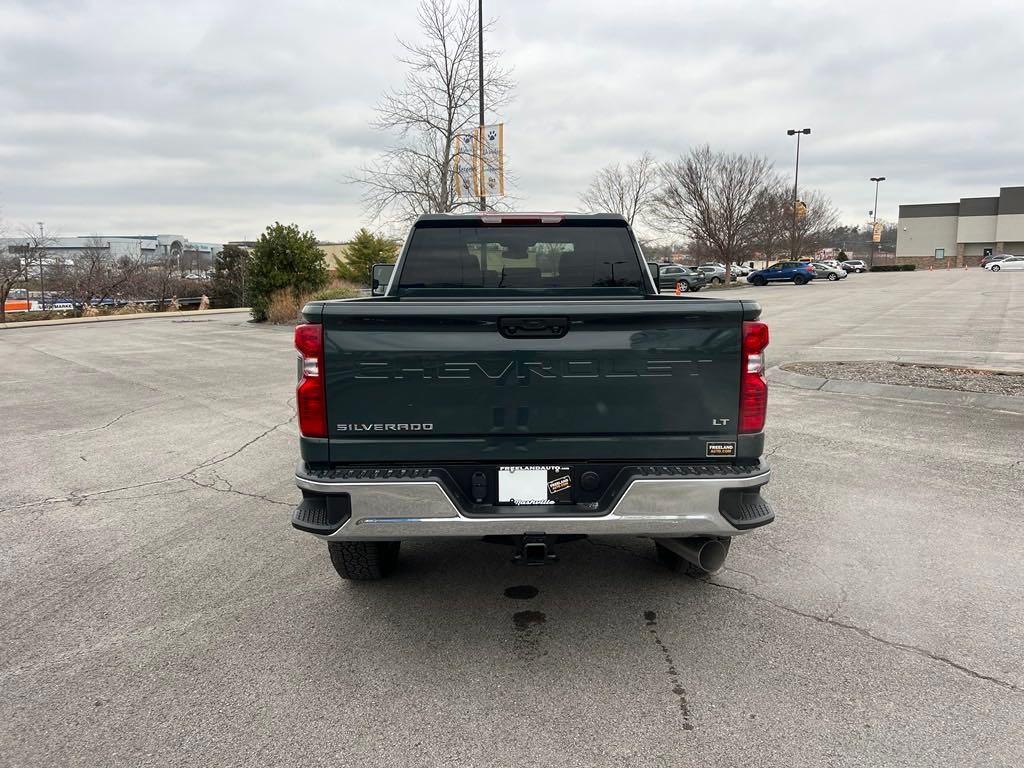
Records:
x=726, y=207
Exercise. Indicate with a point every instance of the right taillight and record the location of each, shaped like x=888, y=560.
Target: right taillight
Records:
x=309, y=394
x=753, y=386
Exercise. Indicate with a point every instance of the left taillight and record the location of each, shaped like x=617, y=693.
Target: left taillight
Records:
x=753, y=386
x=310, y=401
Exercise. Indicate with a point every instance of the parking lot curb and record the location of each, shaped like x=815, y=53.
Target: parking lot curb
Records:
x=109, y=318
x=777, y=375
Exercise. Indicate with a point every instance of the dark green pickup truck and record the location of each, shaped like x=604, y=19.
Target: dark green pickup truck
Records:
x=522, y=377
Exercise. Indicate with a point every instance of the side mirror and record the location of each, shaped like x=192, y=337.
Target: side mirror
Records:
x=380, y=277
x=655, y=271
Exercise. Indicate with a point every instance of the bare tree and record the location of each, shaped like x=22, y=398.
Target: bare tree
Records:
x=815, y=225
x=437, y=103
x=12, y=271
x=38, y=254
x=159, y=278
x=700, y=252
x=628, y=190
x=98, y=275
x=772, y=218
x=711, y=197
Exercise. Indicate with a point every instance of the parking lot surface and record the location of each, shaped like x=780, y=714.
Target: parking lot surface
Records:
x=158, y=609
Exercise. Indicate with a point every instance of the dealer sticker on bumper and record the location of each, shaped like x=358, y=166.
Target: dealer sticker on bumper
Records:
x=720, y=449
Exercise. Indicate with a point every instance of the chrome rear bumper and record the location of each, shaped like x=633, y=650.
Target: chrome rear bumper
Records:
x=670, y=507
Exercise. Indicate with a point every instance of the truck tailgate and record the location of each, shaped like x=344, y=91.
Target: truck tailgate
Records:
x=560, y=380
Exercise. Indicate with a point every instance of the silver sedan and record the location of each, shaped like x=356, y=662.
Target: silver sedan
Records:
x=827, y=272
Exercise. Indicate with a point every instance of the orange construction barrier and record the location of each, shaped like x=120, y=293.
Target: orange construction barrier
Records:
x=679, y=289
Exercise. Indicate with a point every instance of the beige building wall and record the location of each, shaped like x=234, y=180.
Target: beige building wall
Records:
x=1010, y=228
x=978, y=249
x=976, y=229
x=920, y=236
x=334, y=249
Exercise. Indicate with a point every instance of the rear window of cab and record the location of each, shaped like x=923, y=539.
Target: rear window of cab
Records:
x=569, y=256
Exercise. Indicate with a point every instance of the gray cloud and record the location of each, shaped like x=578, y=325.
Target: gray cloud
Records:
x=216, y=118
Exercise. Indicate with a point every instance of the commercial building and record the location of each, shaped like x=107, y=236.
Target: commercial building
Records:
x=962, y=233
x=185, y=254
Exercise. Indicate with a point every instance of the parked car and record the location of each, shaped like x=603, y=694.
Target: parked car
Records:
x=823, y=270
x=1009, y=263
x=737, y=269
x=797, y=272
x=855, y=265
x=451, y=408
x=995, y=257
x=689, y=279
x=713, y=273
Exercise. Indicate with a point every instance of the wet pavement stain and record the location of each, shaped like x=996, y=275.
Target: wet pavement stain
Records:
x=524, y=620
x=521, y=592
x=529, y=634
x=651, y=621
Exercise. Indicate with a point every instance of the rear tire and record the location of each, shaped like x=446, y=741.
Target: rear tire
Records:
x=716, y=281
x=800, y=280
x=684, y=287
x=364, y=560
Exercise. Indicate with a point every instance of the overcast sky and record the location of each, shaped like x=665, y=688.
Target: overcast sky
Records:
x=212, y=119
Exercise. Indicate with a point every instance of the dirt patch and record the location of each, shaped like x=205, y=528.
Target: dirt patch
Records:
x=918, y=375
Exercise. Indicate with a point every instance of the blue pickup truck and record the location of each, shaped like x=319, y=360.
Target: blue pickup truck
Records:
x=798, y=272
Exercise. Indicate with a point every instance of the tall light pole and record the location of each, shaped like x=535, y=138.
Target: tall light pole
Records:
x=874, y=221
x=39, y=252
x=480, y=140
x=798, y=132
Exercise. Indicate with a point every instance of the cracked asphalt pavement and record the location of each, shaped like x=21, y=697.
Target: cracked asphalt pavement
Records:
x=157, y=608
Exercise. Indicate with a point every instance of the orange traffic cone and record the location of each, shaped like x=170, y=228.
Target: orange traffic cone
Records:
x=679, y=289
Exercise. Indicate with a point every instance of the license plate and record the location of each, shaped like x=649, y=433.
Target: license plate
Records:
x=527, y=486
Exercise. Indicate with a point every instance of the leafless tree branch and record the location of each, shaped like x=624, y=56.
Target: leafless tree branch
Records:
x=814, y=226
x=97, y=274
x=12, y=271
x=711, y=197
x=630, y=191
x=436, y=103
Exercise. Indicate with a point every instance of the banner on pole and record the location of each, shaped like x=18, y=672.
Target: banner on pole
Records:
x=492, y=159
x=467, y=169
x=876, y=233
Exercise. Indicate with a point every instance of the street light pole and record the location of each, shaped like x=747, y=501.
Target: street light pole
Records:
x=480, y=139
x=874, y=221
x=796, y=181
x=39, y=252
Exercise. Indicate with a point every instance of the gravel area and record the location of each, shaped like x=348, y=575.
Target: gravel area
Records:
x=917, y=375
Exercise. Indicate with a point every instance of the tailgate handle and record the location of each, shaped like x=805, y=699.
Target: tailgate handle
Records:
x=533, y=327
